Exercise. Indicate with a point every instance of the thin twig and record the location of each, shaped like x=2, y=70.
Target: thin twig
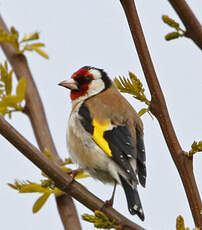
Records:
x=193, y=26
x=35, y=111
x=159, y=109
x=61, y=179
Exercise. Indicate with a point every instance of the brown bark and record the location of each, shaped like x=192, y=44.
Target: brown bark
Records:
x=193, y=26
x=158, y=107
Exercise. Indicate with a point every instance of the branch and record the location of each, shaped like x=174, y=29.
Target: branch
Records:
x=193, y=26
x=62, y=180
x=35, y=111
x=68, y=218
x=158, y=107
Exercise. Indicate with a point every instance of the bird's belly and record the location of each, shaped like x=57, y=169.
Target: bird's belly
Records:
x=86, y=152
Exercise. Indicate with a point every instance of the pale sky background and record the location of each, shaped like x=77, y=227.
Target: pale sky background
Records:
x=92, y=32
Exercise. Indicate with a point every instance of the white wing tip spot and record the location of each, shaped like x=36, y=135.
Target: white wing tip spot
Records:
x=135, y=207
x=128, y=171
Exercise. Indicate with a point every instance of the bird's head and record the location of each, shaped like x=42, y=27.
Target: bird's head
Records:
x=86, y=82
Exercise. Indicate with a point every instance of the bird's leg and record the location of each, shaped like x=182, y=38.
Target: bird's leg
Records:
x=109, y=203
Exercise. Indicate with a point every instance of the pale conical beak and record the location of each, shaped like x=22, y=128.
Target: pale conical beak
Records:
x=70, y=84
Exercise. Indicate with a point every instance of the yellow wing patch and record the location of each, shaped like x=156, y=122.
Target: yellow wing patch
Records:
x=98, y=137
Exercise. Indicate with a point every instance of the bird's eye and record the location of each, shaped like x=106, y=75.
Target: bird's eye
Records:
x=83, y=80
x=88, y=78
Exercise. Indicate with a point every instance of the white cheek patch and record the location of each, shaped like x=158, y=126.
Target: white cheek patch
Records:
x=95, y=87
x=96, y=73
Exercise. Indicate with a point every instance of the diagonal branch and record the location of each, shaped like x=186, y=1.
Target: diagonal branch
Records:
x=193, y=26
x=158, y=107
x=61, y=179
x=35, y=111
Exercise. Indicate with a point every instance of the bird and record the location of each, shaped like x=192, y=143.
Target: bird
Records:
x=105, y=134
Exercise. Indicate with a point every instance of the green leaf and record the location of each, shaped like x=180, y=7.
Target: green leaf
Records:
x=16, y=185
x=6, y=66
x=6, y=99
x=6, y=78
x=11, y=38
x=195, y=147
x=132, y=86
x=100, y=220
x=3, y=73
x=40, y=202
x=58, y=192
x=180, y=223
x=20, y=91
x=171, y=22
x=67, y=161
x=9, y=100
x=172, y=35
x=14, y=31
x=3, y=110
x=65, y=169
x=35, y=47
x=142, y=111
x=12, y=186
x=41, y=52
x=48, y=154
x=30, y=37
x=32, y=188
x=81, y=175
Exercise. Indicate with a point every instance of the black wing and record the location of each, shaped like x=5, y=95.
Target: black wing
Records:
x=121, y=145
x=122, y=148
x=141, y=158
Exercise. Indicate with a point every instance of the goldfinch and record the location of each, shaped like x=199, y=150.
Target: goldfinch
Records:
x=105, y=134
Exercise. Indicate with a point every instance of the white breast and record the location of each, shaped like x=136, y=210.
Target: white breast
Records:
x=87, y=153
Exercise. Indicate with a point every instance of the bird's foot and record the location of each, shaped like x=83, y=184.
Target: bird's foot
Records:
x=73, y=173
x=107, y=204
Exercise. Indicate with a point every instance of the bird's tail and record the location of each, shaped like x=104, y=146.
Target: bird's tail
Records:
x=133, y=199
